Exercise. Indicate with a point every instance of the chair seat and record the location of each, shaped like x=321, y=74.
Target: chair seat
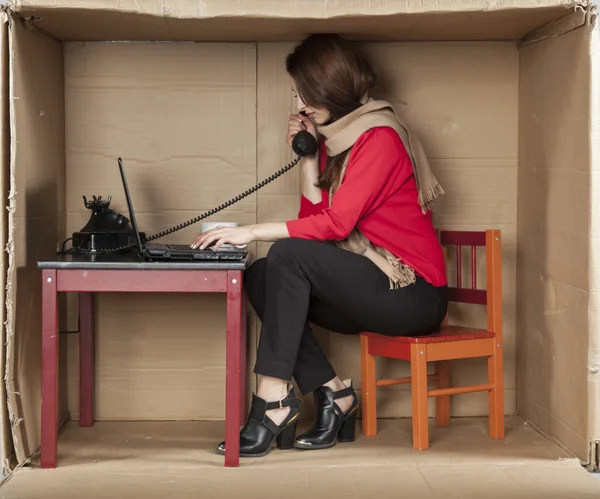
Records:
x=446, y=333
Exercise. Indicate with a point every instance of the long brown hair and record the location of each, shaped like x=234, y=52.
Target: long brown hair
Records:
x=330, y=73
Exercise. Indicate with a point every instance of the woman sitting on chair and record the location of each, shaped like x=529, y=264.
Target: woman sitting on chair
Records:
x=362, y=256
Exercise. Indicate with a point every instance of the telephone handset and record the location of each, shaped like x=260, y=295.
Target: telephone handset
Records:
x=303, y=144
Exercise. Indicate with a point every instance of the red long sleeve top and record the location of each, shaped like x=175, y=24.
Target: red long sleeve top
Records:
x=379, y=195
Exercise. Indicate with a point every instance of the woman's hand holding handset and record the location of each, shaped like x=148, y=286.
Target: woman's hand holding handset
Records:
x=298, y=122
x=310, y=164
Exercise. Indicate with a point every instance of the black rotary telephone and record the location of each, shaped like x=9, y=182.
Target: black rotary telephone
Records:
x=110, y=232
x=106, y=228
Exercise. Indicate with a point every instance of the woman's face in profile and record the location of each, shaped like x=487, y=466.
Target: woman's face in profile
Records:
x=319, y=116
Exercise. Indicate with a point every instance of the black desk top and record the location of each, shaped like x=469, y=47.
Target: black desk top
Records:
x=131, y=261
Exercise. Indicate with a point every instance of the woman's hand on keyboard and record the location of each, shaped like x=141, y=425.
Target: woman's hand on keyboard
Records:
x=236, y=236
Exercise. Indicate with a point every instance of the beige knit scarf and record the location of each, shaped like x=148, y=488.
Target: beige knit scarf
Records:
x=341, y=136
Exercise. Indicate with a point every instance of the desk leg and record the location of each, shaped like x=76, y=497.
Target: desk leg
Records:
x=86, y=359
x=49, y=440
x=233, y=367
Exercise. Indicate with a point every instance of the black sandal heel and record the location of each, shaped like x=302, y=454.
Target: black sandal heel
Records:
x=331, y=424
x=259, y=432
x=347, y=431
x=285, y=439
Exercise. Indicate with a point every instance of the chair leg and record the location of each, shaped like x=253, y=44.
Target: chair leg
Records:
x=369, y=389
x=496, y=396
x=418, y=369
x=442, y=404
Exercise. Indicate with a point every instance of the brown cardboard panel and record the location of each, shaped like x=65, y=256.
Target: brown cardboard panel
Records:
x=36, y=216
x=6, y=444
x=468, y=126
x=459, y=97
x=284, y=8
x=189, y=446
x=279, y=207
x=157, y=460
x=594, y=307
x=187, y=136
x=275, y=104
x=553, y=234
x=144, y=391
x=549, y=329
x=176, y=125
x=216, y=20
x=158, y=357
x=195, y=361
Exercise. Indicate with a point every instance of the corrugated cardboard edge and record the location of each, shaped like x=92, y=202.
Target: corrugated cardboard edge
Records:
x=23, y=331
x=594, y=248
x=6, y=444
x=10, y=367
x=579, y=16
x=182, y=9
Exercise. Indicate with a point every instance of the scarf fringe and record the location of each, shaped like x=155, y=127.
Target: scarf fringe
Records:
x=427, y=197
x=402, y=275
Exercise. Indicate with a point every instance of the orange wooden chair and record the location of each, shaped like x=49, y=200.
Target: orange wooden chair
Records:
x=450, y=343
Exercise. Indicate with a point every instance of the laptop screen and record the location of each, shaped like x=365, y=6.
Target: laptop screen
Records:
x=130, y=207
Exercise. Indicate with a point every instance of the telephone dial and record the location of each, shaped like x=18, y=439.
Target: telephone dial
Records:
x=107, y=231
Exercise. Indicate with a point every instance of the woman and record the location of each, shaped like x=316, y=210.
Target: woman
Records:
x=362, y=256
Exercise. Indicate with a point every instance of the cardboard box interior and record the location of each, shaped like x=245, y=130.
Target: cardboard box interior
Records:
x=553, y=239
x=505, y=125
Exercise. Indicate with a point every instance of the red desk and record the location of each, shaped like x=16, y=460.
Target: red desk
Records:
x=126, y=273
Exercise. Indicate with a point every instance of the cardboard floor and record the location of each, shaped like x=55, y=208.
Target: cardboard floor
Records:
x=176, y=460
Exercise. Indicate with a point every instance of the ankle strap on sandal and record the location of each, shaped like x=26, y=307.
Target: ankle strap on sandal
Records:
x=287, y=402
x=345, y=392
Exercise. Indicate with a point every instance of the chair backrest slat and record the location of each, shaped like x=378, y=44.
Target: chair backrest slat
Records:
x=472, y=239
x=466, y=295
x=466, y=238
x=491, y=297
x=473, y=267
x=458, y=266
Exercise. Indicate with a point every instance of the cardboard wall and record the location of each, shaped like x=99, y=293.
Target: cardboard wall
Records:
x=183, y=118
x=192, y=138
x=594, y=251
x=553, y=233
x=287, y=20
x=36, y=216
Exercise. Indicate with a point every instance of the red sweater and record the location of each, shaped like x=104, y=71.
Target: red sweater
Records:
x=379, y=194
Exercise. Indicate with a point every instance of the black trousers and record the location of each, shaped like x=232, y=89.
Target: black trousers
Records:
x=302, y=281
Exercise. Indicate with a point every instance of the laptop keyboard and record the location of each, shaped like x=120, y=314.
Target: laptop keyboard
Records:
x=180, y=247
x=184, y=252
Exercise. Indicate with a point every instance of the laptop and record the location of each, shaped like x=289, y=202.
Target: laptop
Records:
x=177, y=252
